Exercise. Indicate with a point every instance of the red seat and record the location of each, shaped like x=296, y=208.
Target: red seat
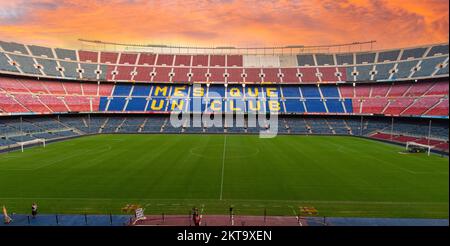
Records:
x=89, y=89
x=441, y=109
x=235, y=75
x=217, y=60
x=397, y=105
x=143, y=74
x=328, y=74
x=32, y=103
x=126, y=58
x=380, y=90
x=362, y=90
x=73, y=88
x=271, y=75
x=418, y=89
x=421, y=105
x=147, y=59
x=162, y=74
x=109, y=57
x=9, y=105
x=182, y=60
x=88, y=56
x=374, y=105
x=165, y=60
x=235, y=61
x=181, y=74
x=78, y=103
x=309, y=75
x=439, y=88
x=217, y=75
x=398, y=90
x=105, y=89
x=253, y=75
x=200, y=60
x=290, y=75
x=55, y=87
x=54, y=103
x=124, y=73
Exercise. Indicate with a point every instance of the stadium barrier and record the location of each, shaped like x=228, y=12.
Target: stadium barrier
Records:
x=210, y=220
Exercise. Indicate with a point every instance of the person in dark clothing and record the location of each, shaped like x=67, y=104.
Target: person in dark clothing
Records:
x=34, y=208
x=196, y=217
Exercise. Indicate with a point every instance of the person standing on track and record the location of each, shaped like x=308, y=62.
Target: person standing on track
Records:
x=34, y=208
x=196, y=217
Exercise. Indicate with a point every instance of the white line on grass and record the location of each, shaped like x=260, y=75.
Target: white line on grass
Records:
x=296, y=216
x=236, y=200
x=223, y=165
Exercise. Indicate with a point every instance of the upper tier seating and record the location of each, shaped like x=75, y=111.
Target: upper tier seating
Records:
x=386, y=65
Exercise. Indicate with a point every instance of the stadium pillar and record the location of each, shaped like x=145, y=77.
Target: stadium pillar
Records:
x=429, y=132
x=392, y=128
x=21, y=137
x=361, y=127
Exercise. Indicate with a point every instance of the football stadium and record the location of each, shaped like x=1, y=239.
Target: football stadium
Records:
x=320, y=135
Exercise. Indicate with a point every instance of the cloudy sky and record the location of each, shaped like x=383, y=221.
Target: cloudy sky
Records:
x=392, y=23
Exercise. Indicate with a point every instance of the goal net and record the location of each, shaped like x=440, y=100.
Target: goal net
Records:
x=39, y=141
x=413, y=147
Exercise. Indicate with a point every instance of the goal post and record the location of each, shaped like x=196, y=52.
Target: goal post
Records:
x=31, y=142
x=417, y=147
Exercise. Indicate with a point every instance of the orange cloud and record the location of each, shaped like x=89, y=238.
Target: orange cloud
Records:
x=393, y=23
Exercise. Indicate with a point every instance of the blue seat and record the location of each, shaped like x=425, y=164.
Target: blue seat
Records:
x=122, y=90
x=117, y=104
x=136, y=104
x=334, y=106
x=315, y=106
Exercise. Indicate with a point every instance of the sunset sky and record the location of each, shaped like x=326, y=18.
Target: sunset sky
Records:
x=392, y=23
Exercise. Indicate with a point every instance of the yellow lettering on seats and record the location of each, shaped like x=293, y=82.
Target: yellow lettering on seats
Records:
x=274, y=105
x=159, y=107
x=177, y=104
x=198, y=91
x=159, y=89
x=235, y=92
x=179, y=91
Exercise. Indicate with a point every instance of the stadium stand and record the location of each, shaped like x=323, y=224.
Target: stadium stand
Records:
x=335, y=93
x=387, y=65
x=13, y=130
x=406, y=98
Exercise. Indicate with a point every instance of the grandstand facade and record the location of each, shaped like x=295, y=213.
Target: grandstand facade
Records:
x=396, y=95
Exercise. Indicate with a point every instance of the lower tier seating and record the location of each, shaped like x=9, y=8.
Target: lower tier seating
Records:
x=14, y=129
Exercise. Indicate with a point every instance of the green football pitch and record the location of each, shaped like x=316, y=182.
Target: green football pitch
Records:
x=339, y=176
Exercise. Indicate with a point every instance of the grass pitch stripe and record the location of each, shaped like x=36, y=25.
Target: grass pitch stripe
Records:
x=223, y=165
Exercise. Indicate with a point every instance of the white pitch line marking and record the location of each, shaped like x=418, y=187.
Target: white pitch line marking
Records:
x=296, y=216
x=223, y=165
